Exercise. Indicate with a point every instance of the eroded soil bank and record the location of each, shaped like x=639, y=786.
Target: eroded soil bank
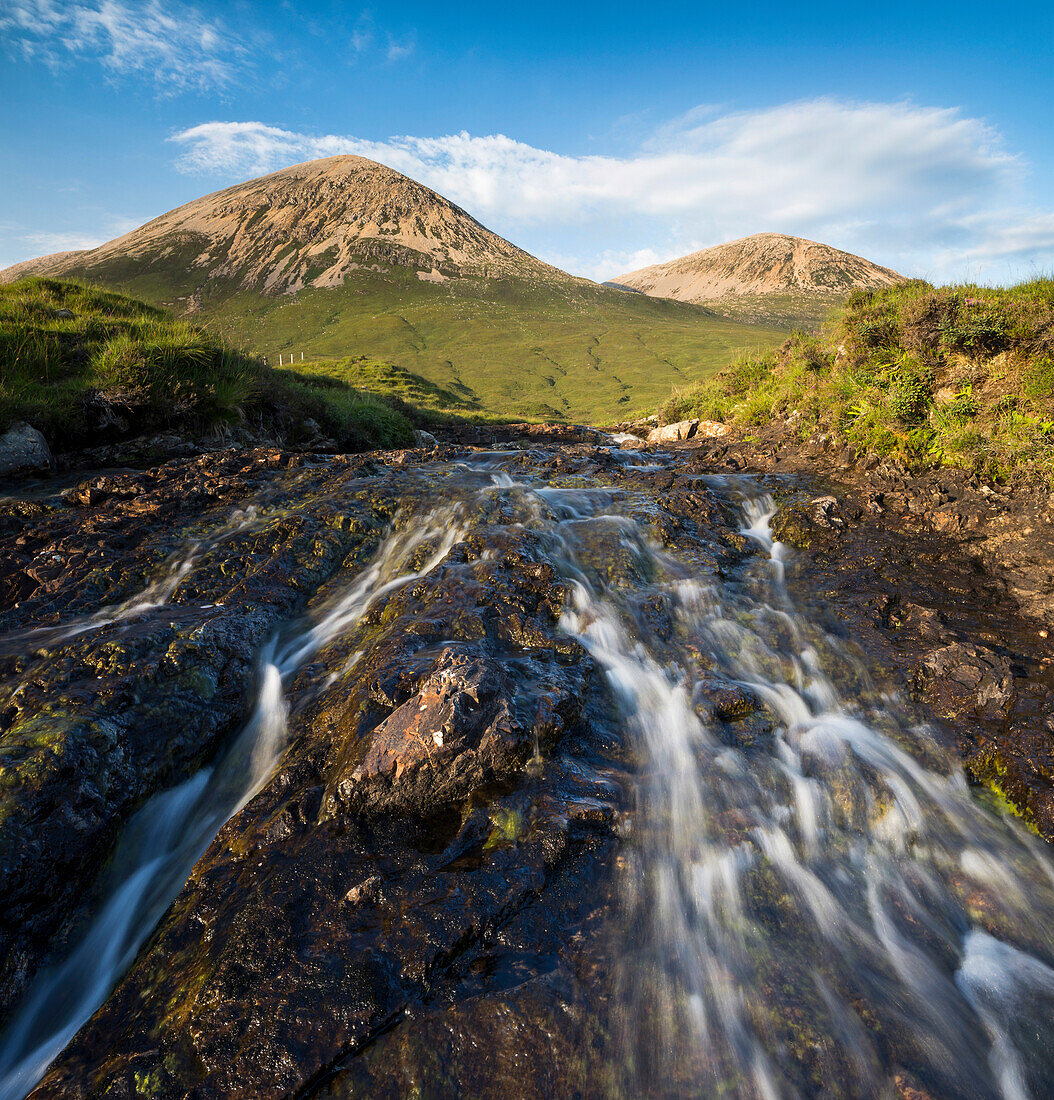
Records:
x=425, y=886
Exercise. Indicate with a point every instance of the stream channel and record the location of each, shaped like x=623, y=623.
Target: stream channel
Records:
x=544, y=785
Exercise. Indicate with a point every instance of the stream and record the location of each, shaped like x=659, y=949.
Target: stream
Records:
x=795, y=892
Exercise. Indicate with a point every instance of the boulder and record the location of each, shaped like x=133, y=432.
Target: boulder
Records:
x=425, y=439
x=23, y=450
x=966, y=678
x=815, y=524
x=711, y=429
x=823, y=511
x=672, y=433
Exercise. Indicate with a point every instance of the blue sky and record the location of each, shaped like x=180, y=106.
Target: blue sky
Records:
x=599, y=137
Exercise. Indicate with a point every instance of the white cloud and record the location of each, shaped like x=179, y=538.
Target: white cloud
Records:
x=362, y=36
x=172, y=44
x=18, y=242
x=45, y=243
x=918, y=188
x=366, y=37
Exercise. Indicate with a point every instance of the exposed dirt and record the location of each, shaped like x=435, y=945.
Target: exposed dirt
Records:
x=309, y=225
x=764, y=264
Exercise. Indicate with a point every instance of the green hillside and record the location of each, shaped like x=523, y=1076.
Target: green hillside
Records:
x=87, y=367
x=957, y=375
x=533, y=348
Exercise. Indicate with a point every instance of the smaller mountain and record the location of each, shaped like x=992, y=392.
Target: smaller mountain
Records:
x=769, y=276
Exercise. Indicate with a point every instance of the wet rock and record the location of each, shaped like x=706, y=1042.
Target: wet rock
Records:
x=24, y=450
x=412, y=900
x=456, y=734
x=724, y=700
x=964, y=677
x=927, y=622
x=824, y=512
x=367, y=892
x=124, y=668
x=957, y=518
x=794, y=525
x=431, y=807
x=816, y=522
x=424, y=439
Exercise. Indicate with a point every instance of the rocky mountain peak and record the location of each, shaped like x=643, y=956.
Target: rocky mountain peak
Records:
x=764, y=264
x=313, y=224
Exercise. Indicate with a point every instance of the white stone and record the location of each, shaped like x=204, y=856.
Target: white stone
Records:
x=711, y=429
x=670, y=433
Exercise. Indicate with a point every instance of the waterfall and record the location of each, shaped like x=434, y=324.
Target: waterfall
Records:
x=822, y=888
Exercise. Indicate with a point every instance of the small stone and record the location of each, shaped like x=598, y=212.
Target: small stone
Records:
x=367, y=891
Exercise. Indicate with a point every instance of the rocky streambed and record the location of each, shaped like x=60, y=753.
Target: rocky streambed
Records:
x=540, y=770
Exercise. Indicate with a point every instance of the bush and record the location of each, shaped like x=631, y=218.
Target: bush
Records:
x=978, y=329
x=909, y=392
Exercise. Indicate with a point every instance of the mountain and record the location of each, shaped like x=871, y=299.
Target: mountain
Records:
x=344, y=256
x=768, y=276
x=312, y=224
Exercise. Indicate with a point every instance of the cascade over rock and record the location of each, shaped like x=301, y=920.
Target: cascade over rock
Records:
x=533, y=770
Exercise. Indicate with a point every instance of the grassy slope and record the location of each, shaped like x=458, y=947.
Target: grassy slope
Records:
x=86, y=367
x=510, y=347
x=782, y=311
x=430, y=403
x=959, y=375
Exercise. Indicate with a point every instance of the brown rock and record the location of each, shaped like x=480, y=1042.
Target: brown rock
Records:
x=964, y=677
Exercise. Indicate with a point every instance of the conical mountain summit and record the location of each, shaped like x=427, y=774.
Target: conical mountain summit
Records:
x=764, y=264
x=308, y=225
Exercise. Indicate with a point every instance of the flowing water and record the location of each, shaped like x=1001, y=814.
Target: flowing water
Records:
x=155, y=594
x=829, y=911
x=815, y=907
x=167, y=836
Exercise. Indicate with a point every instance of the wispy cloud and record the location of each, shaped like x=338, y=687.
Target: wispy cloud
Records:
x=398, y=51
x=363, y=35
x=175, y=46
x=919, y=188
x=17, y=242
x=44, y=243
x=367, y=38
